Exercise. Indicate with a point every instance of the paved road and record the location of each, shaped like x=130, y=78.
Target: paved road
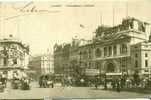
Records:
x=62, y=92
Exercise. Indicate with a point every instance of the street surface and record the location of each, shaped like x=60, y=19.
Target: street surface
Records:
x=64, y=92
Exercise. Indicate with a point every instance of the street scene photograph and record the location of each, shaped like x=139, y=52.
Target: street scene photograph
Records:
x=77, y=50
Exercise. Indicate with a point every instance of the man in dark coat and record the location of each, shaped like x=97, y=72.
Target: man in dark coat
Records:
x=118, y=85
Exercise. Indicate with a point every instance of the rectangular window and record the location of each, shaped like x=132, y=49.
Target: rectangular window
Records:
x=89, y=53
x=123, y=49
x=146, y=63
x=105, y=51
x=89, y=64
x=136, y=63
x=146, y=55
x=136, y=55
x=86, y=64
x=115, y=50
x=110, y=50
x=97, y=65
x=5, y=61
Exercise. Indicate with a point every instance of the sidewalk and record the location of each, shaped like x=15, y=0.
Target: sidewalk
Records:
x=137, y=90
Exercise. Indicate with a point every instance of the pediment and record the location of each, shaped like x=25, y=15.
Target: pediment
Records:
x=122, y=36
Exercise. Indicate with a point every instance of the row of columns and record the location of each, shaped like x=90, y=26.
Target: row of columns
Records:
x=118, y=46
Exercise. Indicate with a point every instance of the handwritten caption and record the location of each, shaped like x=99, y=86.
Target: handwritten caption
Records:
x=31, y=7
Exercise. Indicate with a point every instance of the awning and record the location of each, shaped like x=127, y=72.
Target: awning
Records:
x=109, y=74
x=11, y=68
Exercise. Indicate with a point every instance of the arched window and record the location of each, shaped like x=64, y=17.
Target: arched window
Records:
x=123, y=49
x=98, y=52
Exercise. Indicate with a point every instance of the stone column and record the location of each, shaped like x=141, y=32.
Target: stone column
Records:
x=1, y=61
x=93, y=53
x=102, y=49
x=118, y=49
x=107, y=51
x=128, y=49
x=112, y=50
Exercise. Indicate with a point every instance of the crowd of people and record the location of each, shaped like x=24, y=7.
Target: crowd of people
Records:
x=23, y=83
x=116, y=83
x=46, y=81
x=120, y=83
x=16, y=82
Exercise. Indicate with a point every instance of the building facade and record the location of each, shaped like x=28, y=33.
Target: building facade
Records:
x=41, y=65
x=47, y=64
x=118, y=50
x=14, y=57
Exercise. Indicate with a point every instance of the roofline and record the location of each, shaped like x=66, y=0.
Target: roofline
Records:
x=136, y=19
x=14, y=41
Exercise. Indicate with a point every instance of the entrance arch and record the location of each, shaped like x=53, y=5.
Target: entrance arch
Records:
x=110, y=67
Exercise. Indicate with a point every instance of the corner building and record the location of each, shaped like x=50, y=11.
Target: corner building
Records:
x=14, y=57
x=118, y=50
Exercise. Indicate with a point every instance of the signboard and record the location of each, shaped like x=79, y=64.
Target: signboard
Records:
x=113, y=73
x=92, y=72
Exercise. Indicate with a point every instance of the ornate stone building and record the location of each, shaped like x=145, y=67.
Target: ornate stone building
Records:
x=122, y=49
x=14, y=56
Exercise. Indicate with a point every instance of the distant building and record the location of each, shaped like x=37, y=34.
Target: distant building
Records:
x=41, y=64
x=47, y=64
x=14, y=57
x=35, y=66
x=118, y=50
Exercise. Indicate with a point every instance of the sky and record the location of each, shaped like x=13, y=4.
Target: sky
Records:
x=58, y=22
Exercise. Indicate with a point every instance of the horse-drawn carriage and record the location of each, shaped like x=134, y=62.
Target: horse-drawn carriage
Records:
x=23, y=84
x=46, y=81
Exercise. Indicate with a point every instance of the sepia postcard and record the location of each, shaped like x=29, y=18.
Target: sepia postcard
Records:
x=75, y=50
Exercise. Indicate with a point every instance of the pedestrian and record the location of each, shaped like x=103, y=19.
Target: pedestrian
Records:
x=40, y=81
x=96, y=82
x=96, y=85
x=82, y=81
x=118, y=85
x=63, y=82
x=4, y=79
x=105, y=83
x=52, y=84
x=122, y=82
x=113, y=83
x=128, y=83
